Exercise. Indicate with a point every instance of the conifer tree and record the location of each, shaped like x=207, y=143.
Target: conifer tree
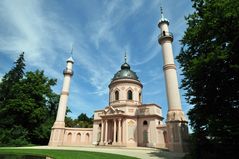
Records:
x=11, y=133
x=210, y=64
x=28, y=106
x=10, y=78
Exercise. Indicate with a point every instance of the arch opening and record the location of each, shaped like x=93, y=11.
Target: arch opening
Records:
x=69, y=136
x=116, y=95
x=87, y=138
x=129, y=95
x=165, y=137
x=78, y=137
x=145, y=123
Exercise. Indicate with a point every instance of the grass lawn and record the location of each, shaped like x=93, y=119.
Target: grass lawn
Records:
x=64, y=154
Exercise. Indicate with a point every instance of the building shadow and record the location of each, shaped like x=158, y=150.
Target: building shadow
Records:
x=165, y=154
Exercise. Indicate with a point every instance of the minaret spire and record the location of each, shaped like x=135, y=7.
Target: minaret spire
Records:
x=125, y=57
x=161, y=9
x=70, y=59
x=72, y=50
x=162, y=19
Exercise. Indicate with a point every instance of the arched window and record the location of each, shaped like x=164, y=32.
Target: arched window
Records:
x=130, y=95
x=165, y=137
x=69, y=136
x=116, y=95
x=140, y=97
x=145, y=136
x=78, y=137
x=164, y=33
x=145, y=123
x=87, y=138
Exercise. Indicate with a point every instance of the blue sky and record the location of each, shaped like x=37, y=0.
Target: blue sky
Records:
x=100, y=31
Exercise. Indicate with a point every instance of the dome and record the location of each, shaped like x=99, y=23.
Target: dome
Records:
x=125, y=73
x=70, y=59
x=125, y=66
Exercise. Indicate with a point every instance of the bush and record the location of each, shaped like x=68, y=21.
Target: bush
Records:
x=16, y=136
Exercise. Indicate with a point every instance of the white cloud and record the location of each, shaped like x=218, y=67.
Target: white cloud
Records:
x=156, y=92
x=1, y=76
x=41, y=35
x=32, y=30
x=157, y=77
x=46, y=32
x=103, y=65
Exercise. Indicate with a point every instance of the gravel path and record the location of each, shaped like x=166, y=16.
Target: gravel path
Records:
x=139, y=152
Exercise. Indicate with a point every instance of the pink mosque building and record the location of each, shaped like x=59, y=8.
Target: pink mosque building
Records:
x=126, y=121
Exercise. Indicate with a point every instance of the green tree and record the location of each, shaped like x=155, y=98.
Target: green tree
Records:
x=32, y=101
x=210, y=64
x=83, y=121
x=69, y=122
x=11, y=133
x=28, y=111
x=83, y=117
x=10, y=78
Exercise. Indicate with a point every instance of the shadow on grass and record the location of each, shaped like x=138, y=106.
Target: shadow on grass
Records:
x=165, y=154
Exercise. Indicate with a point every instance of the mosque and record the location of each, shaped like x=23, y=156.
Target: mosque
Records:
x=126, y=121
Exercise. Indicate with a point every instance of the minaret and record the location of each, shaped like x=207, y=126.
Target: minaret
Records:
x=176, y=122
x=58, y=128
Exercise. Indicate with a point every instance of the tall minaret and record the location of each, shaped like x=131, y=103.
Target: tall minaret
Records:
x=176, y=122
x=58, y=128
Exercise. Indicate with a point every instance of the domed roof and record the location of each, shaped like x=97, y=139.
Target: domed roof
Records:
x=125, y=73
x=70, y=59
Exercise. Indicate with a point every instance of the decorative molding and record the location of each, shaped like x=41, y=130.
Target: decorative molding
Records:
x=64, y=93
x=165, y=39
x=130, y=110
x=68, y=72
x=174, y=110
x=131, y=123
x=118, y=81
x=169, y=66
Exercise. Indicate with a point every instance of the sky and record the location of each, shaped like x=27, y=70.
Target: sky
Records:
x=100, y=31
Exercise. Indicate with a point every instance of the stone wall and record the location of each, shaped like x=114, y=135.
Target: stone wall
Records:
x=77, y=136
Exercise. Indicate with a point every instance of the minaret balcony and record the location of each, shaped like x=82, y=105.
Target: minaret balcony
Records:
x=68, y=72
x=165, y=36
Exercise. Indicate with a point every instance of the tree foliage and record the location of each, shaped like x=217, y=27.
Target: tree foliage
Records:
x=12, y=77
x=28, y=106
x=210, y=63
x=83, y=121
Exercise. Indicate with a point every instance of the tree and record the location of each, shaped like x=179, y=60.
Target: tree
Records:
x=11, y=134
x=33, y=102
x=210, y=64
x=83, y=121
x=10, y=78
x=83, y=117
x=28, y=109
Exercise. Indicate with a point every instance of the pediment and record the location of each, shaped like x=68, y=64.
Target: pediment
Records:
x=111, y=110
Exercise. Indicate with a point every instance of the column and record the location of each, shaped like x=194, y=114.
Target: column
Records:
x=106, y=132
x=119, y=131
x=114, y=138
x=102, y=132
x=58, y=129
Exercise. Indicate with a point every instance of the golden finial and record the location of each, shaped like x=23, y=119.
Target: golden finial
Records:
x=125, y=57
